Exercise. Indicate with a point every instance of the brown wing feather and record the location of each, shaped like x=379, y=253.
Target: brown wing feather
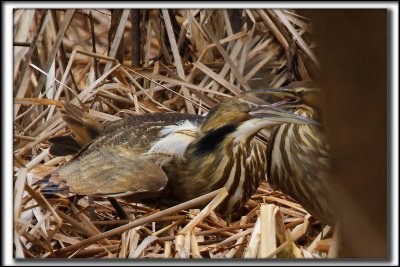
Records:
x=138, y=130
x=111, y=170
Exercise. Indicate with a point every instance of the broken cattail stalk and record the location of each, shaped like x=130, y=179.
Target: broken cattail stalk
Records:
x=186, y=205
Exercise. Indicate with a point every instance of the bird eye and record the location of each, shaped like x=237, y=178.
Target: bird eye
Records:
x=300, y=93
x=252, y=107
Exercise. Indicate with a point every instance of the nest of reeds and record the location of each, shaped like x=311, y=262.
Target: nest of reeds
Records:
x=124, y=62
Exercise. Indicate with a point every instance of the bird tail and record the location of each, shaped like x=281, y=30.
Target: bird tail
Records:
x=49, y=186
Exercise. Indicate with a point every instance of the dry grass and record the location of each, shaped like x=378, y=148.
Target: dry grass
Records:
x=90, y=56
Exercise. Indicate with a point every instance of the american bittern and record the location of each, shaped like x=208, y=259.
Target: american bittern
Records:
x=188, y=160
x=298, y=154
x=225, y=153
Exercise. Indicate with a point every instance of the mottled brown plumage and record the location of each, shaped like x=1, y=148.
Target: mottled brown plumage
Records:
x=137, y=131
x=225, y=153
x=298, y=155
x=156, y=156
x=109, y=157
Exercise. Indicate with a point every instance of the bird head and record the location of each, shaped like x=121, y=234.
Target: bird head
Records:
x=231, y=111
x=236, y=111
x=296, y=94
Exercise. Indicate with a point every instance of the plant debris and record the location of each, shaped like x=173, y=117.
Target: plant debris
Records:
x=184, y=61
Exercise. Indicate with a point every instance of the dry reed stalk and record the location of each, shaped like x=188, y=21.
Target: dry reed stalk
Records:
x=210, y=57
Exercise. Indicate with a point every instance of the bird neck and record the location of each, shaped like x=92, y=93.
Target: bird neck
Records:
x=220, y=159
x=248, y=129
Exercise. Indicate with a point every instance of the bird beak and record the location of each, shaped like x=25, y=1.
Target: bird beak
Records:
x=275, y=114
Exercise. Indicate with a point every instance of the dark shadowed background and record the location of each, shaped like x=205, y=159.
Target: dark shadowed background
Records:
x=352, y=48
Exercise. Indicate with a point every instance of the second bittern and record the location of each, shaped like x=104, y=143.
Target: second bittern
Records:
x=186, y=161
x=299, y=162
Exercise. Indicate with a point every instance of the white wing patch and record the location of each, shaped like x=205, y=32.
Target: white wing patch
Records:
x=175, y=139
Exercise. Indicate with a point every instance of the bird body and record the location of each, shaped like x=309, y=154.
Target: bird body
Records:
x=225, y=153
x=219, y=159
x=299, y=165
x=177, y=160
x=133, y=132
x=111, y=161
x=298, y=154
